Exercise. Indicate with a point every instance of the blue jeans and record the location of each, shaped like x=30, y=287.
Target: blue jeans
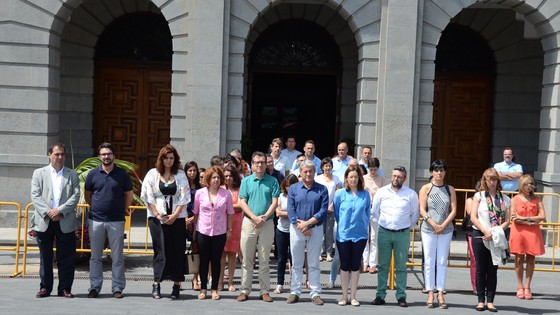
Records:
x=283, y=249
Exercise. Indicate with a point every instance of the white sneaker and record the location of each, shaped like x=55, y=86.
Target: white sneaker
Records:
x=278, y=289
x=330, y=285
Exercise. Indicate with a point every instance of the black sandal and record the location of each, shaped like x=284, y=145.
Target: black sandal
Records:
x=156, y=289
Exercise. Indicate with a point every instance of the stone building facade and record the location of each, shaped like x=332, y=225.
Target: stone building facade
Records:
x=387, y=83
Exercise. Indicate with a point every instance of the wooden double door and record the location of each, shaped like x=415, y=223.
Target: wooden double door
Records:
x=133, y=111
x=461, y=128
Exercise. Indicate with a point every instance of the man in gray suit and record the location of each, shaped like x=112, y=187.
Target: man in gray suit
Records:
x=55, y=191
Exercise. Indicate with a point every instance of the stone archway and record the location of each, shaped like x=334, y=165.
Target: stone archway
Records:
x=355, y=30
x=294, y=84
x=516, y=45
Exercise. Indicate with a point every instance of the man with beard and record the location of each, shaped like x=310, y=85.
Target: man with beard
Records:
x=396, y=209
x=108, y=191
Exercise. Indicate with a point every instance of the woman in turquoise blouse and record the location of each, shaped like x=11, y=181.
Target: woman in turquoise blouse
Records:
x=352, y=212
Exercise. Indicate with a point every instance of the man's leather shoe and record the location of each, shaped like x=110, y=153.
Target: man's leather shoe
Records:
x=378, y=301
x=402, y=302
x=118, y=295
x=317, y=300
x=266, y=297
x=93, y=294
x=292, y=299
x=43, y=293
x=65, y=293
x=242, y=297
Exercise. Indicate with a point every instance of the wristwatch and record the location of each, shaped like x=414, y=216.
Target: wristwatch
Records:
x=426, y=217
x=264, y=217
x=310, y=226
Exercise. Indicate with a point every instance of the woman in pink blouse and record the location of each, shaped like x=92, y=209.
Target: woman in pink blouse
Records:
x=213, y=217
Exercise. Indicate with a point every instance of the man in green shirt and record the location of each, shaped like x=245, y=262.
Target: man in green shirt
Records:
x=258, y=197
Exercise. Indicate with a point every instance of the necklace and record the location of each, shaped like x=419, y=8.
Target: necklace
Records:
x=167, y=180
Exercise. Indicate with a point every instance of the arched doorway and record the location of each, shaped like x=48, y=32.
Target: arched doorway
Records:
x=133, y=88
x=294, y=86
x=462, y=108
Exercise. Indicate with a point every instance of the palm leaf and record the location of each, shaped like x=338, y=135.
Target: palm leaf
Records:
x=90, y=163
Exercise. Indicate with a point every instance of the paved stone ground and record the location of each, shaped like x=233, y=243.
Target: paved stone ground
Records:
x=18, y=295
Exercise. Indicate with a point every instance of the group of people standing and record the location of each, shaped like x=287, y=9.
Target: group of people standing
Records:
x=228, y=210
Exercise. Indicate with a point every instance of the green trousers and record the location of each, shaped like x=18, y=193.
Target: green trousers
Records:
x=387, y=243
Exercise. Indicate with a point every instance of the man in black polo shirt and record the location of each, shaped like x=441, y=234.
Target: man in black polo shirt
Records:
x=108, y=191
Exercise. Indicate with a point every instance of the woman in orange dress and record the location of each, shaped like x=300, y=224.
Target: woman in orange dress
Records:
x=233, y=245
x=526, y=240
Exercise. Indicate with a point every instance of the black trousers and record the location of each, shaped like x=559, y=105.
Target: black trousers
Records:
x=169, y=243
x=210, y=249
x=486, y=272
x=65, y=257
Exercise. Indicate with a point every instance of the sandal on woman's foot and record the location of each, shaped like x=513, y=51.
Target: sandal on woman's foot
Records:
x=528, y=295
x=195, y=285
x=202, y=295
x=520, y=293
x=278, y=289
x=430, y=304
x=215, y=295
x=220, y=286
x=232, y=288
x=441, y=301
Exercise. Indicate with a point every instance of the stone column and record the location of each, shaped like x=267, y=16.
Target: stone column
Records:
x=397, y=108
x=198, y=104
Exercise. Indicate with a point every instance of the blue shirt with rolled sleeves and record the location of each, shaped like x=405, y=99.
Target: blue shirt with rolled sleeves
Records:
x=305, y=203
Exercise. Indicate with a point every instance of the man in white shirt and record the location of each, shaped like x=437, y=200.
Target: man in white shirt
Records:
x=290, y=151
x=281, y=163
x=395, y=207
x=509, y=171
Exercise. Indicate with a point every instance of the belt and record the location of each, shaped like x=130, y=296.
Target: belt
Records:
x=389, y=230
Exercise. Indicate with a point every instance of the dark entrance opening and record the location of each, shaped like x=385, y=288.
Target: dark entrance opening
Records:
x=294, y=84
x=462, y=109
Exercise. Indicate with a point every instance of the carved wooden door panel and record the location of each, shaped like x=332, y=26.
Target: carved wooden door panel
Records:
x=461, y=128
x=132, y=111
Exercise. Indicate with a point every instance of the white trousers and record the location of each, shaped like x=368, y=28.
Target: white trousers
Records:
x=436, y=251
x=369, y=258
x=299, y=243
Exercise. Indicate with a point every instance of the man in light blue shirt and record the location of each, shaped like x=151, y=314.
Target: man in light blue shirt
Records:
x=509, y=171
x=340, y=163
x=290, y=151
x=309, y=151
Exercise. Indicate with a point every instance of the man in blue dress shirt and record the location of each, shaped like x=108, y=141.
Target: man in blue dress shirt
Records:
x=509, y=171
x=307, y=208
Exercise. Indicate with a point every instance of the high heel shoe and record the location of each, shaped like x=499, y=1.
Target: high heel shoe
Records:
x=441, y=301
x=175, y=292
x=156, y=291
x=430, y=304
